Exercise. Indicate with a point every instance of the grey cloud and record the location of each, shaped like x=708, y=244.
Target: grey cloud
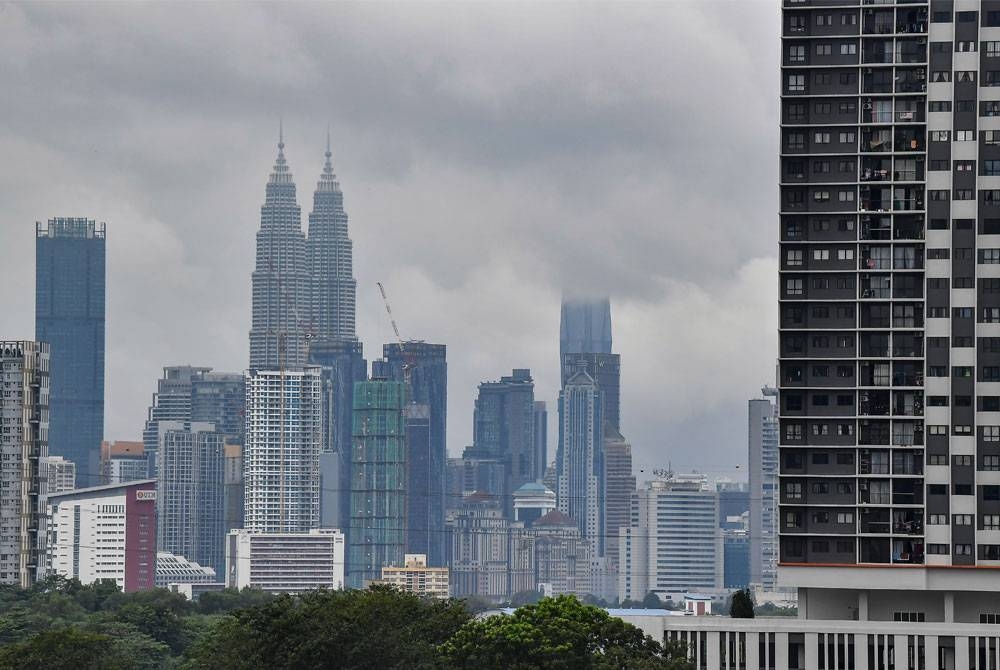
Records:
x=490, y=155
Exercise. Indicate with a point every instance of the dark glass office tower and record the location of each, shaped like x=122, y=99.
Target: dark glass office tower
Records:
x=69, y=315
x=428, y=374
x=342, y=364
x=280, y=278
x=585, y=326
x=504, y=427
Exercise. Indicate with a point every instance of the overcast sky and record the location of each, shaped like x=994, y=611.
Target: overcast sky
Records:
x=490, y=155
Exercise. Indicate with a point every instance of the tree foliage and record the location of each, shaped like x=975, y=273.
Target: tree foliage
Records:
x=555, y=634
x=741, y=605
x=377, y=628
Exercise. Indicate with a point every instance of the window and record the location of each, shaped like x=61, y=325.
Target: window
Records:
x=990, y=108
x=991, y=522
x=991, y=137
x=793, y=460
x=796, y=53
x=823, y=79
x=940, y=135
x=992, y=19
x=991, y=168
x=821, y=138
x=796, y=112
x=991, y=344
x=961, y=429
x=989, y=256
x=847, y=78
x=821, y=488
x=964, y=282
x=937, y=17
x=845, y=372
x=823, y=50
x=820, y=429
x=793, y=490
x=939, y=106
x=964, y=166
x=991, y=315
x=821, y=196
x=845, y=458
x=938, y=195
x=822, y=108
x=821, y=546
x=845, y=517
x=821, y=254
x=937, y=371
x=992, y=78
x=937, y=489
x=936, y=255
x=847, y=107
x=796, y=82
x=990, y=403
x=820, y=400
x=937, y=548
x=963, y=550
x=991, y=493
x=937, y=459
x=793, y=287
x=965, y=135
x=992, y=49
x=991, y=373
x=961, y=371
x=846, y=49
x=912, y=617
x=963, y=489
x=937, y=401
x=845, y=138
x=937, y=519
x=821, y=225
x=965, y=76
x=938, y=224
x=793, y=431
x=848, y=254
x=846, y=166
x=938, y=166
x=991, y=463
x=821, y=166
x=965, y=47
x=964, y=194
x=991, y=433
x=795, y=141
x=821, y=371
x=966, y=17
x=941, y=76
x=962, y=313
x=962, y=519
x=937, y=313
x=793, y=257
x=845, y=488
x=848, y=196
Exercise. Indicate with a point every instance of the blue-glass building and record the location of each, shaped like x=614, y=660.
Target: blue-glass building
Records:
x=69, y=315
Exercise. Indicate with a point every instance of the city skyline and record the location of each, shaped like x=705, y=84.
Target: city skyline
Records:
x=184, y=194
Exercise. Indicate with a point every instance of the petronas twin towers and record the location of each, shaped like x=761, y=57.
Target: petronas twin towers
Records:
x=303, y=286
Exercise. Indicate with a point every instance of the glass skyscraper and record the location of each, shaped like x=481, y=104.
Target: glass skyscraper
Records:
x=69, y=315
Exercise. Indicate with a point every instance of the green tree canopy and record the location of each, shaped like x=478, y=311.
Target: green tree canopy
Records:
x=379, y=628
x=557, y=634
x=741, y=605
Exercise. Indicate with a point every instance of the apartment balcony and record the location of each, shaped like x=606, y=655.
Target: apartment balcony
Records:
x=908, y=552
x=907, y=522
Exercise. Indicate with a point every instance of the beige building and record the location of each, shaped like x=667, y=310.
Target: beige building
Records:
x=416, y=577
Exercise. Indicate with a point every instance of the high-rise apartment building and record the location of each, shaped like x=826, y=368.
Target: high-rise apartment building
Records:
x=24, y=415
x=190, y=492
x=280, y=280
x=426, y=367
x=281, y=454
x=580, y=458
x=415, y=576
x=674, y=542
x=889, y=305
x=377, y=533
x=123, y=461
x=503, y=428
x=60, y=475
x=421, y=521
x=762, y=431
x=105, y=532
x=619, y=485
x=541, y=420
x=69, y=315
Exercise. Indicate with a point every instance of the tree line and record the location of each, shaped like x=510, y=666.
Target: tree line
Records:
x=62, y=624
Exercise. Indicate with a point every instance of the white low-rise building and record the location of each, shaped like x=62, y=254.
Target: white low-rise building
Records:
x=285, y=562
x=173, y=570
x=105, y=532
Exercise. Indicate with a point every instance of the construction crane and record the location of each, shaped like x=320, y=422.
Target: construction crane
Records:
x=408, y=360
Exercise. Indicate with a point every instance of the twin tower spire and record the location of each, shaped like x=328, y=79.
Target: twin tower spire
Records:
x=303, y=284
